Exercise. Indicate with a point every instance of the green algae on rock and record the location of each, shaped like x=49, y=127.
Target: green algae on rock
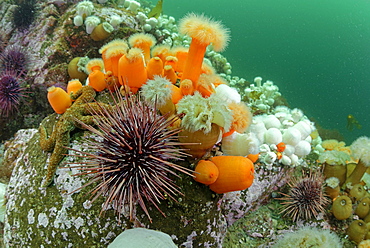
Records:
x=55, y=216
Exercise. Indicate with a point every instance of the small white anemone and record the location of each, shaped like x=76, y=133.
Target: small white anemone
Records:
x=238, y=144
x=297, y=115
x=156, y=91
x=289, y=150
x=294, y=158
x=78, y=20
x=201, y=112
x=85, y=8
x=271, y=121
x=285, y=160
x=332, y=182
x=269, y=158
x=91, y=22
x=152, y=22
x=134, y=6
x=292, y=136
x=361, y=149
x=258, y=81
x=303, y=148
x=273, y=136
x=305, y=128
x=227, y=93
x=115, y=20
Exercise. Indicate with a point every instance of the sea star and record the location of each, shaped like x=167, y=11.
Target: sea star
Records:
x=79, y=112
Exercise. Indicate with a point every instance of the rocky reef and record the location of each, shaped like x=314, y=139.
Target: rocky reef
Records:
x=296, y=183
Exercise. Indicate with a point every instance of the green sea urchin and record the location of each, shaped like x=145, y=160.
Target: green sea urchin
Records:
x=132, y=163
x=305, y=199
x=24, y=14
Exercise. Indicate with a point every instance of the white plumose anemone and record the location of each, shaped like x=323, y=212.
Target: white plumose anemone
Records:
x=292, y=136
x=361, y=149
x=273, y=136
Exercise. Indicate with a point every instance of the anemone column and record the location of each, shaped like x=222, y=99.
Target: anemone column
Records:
x=203, y=32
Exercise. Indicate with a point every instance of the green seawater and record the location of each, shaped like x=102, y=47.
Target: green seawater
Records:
x=317, y=52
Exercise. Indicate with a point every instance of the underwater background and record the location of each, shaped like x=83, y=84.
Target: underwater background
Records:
x=316, y=52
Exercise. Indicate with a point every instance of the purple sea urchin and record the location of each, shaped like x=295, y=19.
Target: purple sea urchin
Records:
x=306, y=198
x=10, y=92
x=14, y=59
x=132, y=160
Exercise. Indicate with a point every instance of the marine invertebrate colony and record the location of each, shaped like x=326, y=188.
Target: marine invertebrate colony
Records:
x=306, y=198
x=132, y=163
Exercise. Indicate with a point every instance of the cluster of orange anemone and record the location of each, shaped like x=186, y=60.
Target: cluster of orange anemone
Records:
x=130, y=64
x=225, y=173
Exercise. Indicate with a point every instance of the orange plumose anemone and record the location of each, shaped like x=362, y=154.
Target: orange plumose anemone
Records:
x=103, y=51
x=242, y=116
x=170, y=74
x=162, y=51
x=203, y=32
x=132, y=70
x=206, y=172
x=112, y=56
x=186, y=87
x=205, y=85
x=73, y=86
x=235, y=173
x=96, y=77
x=144, y=42
x=181, y=54
x=154, y=67
x=59, y=99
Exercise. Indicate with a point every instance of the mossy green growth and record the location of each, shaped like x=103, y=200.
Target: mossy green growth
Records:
x=61, y=214
x=307, y=237
x=254, y=229
x=53, y=216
